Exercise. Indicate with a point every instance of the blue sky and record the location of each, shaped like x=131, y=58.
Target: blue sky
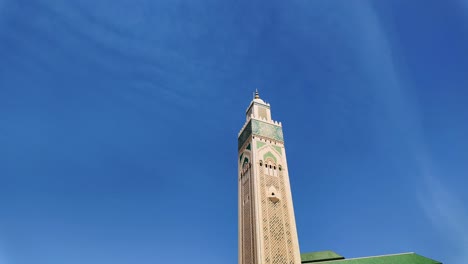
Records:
x=118, y=126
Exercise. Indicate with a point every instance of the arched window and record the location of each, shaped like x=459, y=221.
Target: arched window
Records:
x=270, y=166
x=246, y=166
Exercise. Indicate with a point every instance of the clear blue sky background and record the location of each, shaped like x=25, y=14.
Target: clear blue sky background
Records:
x=119, y=122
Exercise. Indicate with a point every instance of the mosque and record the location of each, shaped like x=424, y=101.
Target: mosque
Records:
x=267, y=227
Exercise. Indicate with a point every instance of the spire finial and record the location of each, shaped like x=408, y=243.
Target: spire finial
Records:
x=257, y=96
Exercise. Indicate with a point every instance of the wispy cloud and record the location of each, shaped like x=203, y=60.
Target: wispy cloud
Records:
x=441, y=205
x=447, y=212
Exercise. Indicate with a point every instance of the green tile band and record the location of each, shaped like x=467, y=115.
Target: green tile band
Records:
x=260, y=128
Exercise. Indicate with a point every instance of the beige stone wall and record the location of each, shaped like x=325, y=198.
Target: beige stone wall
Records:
x=278, y=229
x=267, y=226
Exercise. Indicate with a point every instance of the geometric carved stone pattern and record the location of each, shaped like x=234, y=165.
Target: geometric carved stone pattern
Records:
x=278, y=247
x=248, y=248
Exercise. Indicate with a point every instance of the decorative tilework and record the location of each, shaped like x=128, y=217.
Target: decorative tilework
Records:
x=278, y=149
x=260, y=128
x=269, y=155
x=260, y=144
x=267, y=130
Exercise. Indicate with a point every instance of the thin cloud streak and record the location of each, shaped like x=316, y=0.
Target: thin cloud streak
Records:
x=445, y=210
x=447, y=213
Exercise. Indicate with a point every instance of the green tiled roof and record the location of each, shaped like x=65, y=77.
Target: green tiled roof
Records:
x=319, y=256
x=405, y=258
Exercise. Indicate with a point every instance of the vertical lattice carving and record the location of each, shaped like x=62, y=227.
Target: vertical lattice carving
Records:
x=287, y=221
x=248, y=251
x=278, y=246
x=263, y=205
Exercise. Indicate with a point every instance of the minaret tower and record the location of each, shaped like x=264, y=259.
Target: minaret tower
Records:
x=267, y=228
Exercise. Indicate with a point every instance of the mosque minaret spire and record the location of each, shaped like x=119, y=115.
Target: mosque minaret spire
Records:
x=267, y=226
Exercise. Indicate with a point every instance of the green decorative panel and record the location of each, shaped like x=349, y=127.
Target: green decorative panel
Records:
x=278, y=149
x=248, y=147
x=267, y=130
x=260, y=144
x=260, y=128
x=269, y=155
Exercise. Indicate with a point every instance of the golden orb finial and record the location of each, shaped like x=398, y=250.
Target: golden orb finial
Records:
x=257, y=96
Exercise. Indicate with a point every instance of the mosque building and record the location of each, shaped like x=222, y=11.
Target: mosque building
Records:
x=267, y=226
